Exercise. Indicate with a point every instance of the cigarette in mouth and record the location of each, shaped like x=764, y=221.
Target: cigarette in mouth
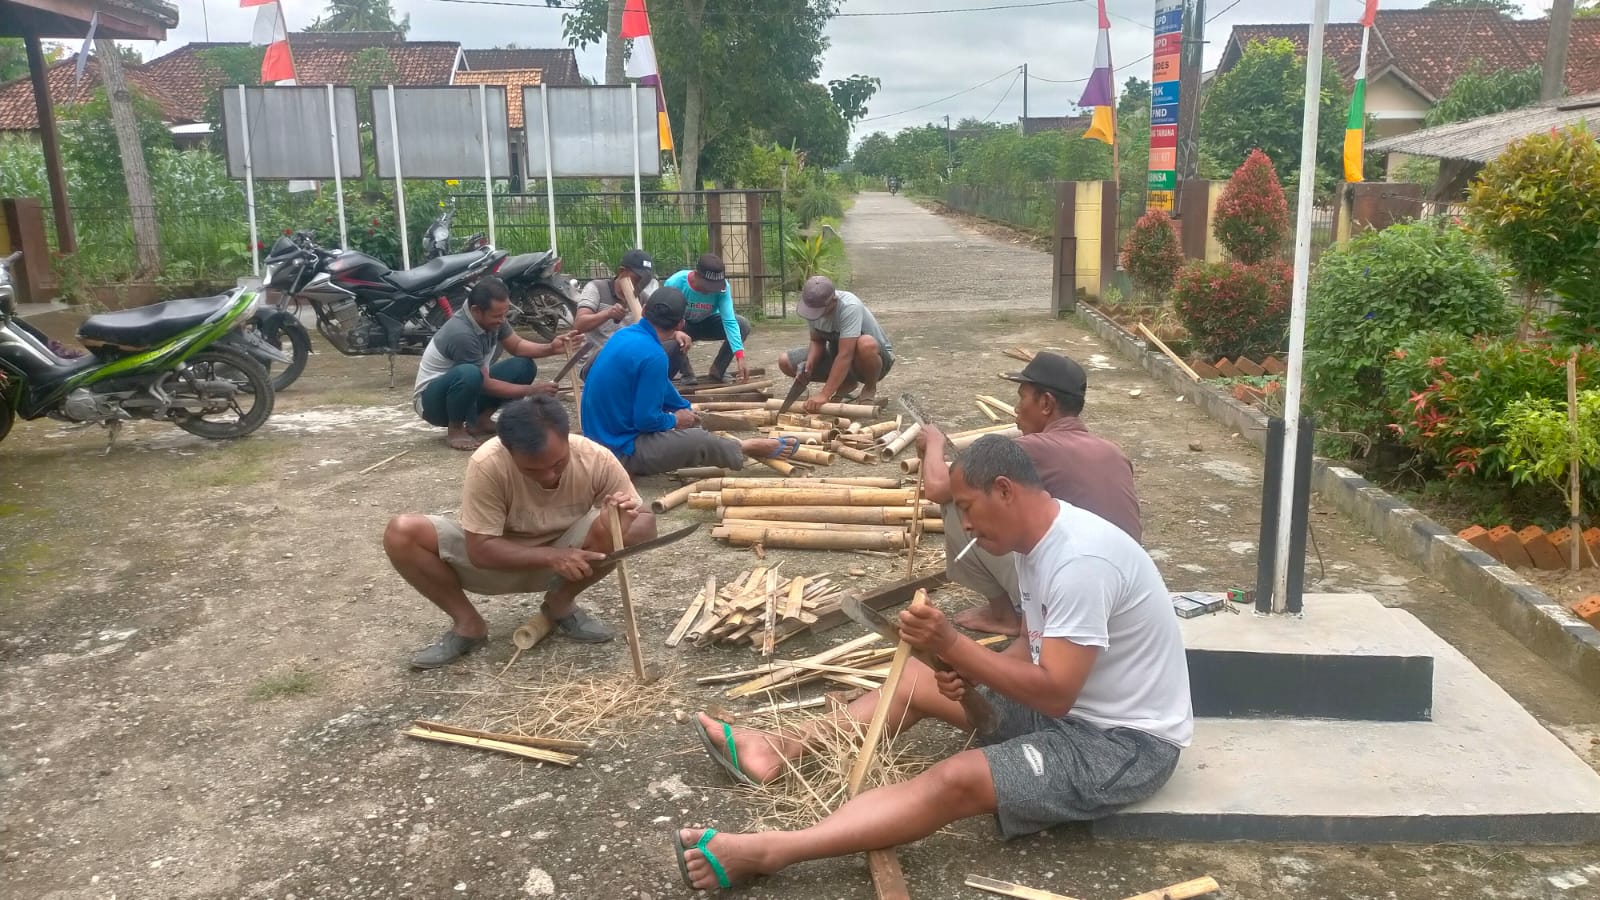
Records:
x=966, y=549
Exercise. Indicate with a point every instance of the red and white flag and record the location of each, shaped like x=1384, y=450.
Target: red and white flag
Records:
x=642, y=64
x=277, y=64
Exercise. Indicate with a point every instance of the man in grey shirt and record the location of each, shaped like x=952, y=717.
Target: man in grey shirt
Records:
x=606, y=304
x=847, y=345
x=459, y=385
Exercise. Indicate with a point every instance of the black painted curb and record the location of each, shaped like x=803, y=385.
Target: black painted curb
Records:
x=1516, y=605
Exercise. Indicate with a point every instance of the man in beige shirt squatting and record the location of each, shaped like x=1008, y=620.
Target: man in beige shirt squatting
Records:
x=1084, y=469
x=532, y=505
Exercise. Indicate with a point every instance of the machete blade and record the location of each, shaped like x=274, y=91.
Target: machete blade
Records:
x=656, y=543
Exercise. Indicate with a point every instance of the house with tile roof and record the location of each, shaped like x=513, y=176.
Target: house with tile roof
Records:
x=557, y=67
x=1416, y=54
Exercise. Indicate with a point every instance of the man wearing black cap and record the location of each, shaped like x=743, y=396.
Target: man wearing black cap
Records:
x=605, y=304
x=1083, y=469
x=631, y=407
x=847, y=345
x=710, y=316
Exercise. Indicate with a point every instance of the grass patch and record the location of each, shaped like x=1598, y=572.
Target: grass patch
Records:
x=240, y=464
x=353, y=398
x=284, y=684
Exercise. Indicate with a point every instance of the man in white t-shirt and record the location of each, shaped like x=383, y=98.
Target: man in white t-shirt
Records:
x=1092, y=706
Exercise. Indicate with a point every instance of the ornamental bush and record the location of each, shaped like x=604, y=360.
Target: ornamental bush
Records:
x=1232, y=309
x=1151, y=256
x=1252, y=217
x=1378, y=289
x=1448, y=395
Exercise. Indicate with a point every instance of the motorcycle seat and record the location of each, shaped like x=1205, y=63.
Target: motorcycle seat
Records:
x=433, y=271
x=523, y=264
x=146, y=326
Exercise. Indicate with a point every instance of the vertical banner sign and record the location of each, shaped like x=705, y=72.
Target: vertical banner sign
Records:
x=1164, y=93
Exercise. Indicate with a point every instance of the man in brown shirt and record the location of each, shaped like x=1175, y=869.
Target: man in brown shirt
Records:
x=531, y=506
x=1081, y=468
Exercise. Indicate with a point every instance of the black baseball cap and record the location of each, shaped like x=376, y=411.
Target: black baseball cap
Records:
x=638, y=262
x=666, y=307
x=1053, y=372
x=709, y=267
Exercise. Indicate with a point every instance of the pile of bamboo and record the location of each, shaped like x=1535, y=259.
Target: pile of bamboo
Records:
x=814, y=516
x=1022, y=354
x=757, y=608
x=996, y=410
x=757, y=390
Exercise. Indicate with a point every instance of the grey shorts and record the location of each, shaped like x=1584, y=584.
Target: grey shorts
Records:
x=668, y=451
x=453, y=550
x=1051, y=771
x=825, y=365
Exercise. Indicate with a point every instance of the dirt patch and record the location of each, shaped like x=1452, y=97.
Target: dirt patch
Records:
x=205, y=686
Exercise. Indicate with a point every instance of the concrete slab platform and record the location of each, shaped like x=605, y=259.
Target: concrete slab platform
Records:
x=1343, y=660
x=1482, y=770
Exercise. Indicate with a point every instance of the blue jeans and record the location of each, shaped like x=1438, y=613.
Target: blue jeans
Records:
x=457, y=396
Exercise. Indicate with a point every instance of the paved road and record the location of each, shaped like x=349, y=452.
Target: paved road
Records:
x=904, y=258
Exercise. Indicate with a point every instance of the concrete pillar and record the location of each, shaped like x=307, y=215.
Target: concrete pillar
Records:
x=1064, y=247
x=24, y=230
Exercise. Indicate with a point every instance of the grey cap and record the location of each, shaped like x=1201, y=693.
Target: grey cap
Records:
x=815, y=296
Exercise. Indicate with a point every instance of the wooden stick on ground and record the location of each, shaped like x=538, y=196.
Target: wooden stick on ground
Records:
x=1011, y=889
x=1151, y=337
x=703, y=600
x=383, y=462
x=577, y=396
x=523, y=739
x=550, y=756
x=634, y=650
x=1183, y=891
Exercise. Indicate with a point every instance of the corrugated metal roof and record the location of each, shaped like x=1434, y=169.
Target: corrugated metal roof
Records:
x=1482, y=139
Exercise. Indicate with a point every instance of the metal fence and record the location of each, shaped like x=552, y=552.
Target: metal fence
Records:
x=594, y=229
x=1029, y=207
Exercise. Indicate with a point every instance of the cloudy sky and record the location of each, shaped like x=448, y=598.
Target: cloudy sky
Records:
x=922, y=59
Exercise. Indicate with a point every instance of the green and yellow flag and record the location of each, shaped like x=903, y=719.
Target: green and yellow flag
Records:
x=1355, y=127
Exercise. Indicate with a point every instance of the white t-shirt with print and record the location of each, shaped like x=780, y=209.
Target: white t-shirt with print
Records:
x=1090, y=583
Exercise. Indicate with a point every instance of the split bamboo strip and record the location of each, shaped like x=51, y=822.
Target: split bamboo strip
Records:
x=749, y=386
x=825, y=656
x=706, y=597
x=801, y=539
x=893, y=448
x=880, y=713
x=837, y=409
x=1000, y=405
x=1176, y=360
x=730, y=526
x=794, y=604
x=789, y=705
x=771, y=617
x=988, y=413
x=962, y=443
x=979, y=432
x=839, y=515
x=821, y=495
x=911, y=466
x=675, y=499
x=525, y=740
x=550, y=756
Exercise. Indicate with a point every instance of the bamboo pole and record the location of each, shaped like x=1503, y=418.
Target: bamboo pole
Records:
x=980, y=432
x=841, y=515
x=821, y=495
x=549, y=756
x=801, y=539
x=881, y=429
x=749, y=386
x=675, y=499
x=963, y=442
x=855, y=454
x=1182, y=366
x=813, y=456
x=522, y=739
x=801, y=525
x=835, y=409
x=631, y=623
x=577, y=390
x=880, y=711
x=901, y=442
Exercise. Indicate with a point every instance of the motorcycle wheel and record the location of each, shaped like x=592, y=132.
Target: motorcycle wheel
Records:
x=542, y=310
x=247, y=376
x=299, y=348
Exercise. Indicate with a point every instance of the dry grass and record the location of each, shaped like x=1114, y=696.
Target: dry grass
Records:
x=562, y=702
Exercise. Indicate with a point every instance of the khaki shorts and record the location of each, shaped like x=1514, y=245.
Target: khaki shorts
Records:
x=478, y=580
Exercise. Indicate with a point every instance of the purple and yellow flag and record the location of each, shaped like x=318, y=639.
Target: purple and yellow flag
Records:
x=1099, y=94
x=642, y=63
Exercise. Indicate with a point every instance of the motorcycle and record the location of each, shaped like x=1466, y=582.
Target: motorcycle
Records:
x=185, y=361
x=362, y=306
x=894, y=186
x=436, y=240
x=542, y=299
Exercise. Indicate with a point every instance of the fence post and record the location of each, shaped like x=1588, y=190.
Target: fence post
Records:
x=783, y=264
x=753, y=248
x=714, y=222
x=1374, y=206
x=24, y=226
x=1110, y=257
x=1194, y=218
x=1064, y=250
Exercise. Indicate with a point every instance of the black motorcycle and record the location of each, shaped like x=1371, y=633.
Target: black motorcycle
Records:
x=436, y=240
x=362, y=306
x=542, y=299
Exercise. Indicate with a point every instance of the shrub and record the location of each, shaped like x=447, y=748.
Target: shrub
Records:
x=816, y=203
x=1252, y=218
x=1376, y=290
x=1534, y=204
x=1152, y=256
x=1233, y=309
x=1448, y=393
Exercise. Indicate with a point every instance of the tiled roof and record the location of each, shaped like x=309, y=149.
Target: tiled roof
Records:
x=559, y=65
x=1433, y=47
x=17, y=112
x=512, y=79
x=1037, y=124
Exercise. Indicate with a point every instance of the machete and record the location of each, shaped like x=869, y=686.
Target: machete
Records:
x=801, y=382
x=978, y=710
x=577, y=357
x=670, y=537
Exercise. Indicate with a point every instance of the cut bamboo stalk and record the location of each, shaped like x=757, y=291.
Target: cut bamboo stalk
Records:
x=987, y=412
x=782, y=467
x=882, y=428
x=822, y=495
x=549, y=756
x=911, y=466
x=979, y=432
x=856, y=454
x=704, y=499
x=962, y=443
x=1011, y=889
x=675, y=499
x=932, y=524
x=730, y=407
x=700, y=473
x=812, y=456
x=707, y=595
x=729, y=526
x=801, y=539
x=1182, y=366
x=880, y=712
x=836, y=409
x=840, y=515
x=531, y=632
x=900, y=443
x=525, y=740
x=998, y=404
x=803, y=436
x=1183, y=891
x=747, y=387
x=630, y=622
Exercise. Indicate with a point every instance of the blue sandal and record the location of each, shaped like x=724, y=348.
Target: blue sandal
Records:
x=704, y=846
x=787, y=445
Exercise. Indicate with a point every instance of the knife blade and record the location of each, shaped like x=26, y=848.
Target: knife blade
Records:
x=978, y=710
x=655, y=543
x=577, y=357
x=801, y=382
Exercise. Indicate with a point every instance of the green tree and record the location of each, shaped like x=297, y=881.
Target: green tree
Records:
x=13, y=59
x=1257, y=105
x=812, y=124
x=90, y=152
x=851, y=95
x=360, y=15
x=1477, y=94
x=876, y=155
x=1135, y=97
x=1507, y=8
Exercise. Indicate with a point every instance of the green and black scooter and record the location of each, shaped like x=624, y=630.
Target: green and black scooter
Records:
x=186, y=361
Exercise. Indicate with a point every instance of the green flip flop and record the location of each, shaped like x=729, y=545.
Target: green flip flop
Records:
x=704, y=846
x=729, y=761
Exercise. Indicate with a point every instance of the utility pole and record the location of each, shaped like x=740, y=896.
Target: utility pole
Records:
x=1555, y=51
x=1191, y=59
x=1024, y=98
x=949, y=151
